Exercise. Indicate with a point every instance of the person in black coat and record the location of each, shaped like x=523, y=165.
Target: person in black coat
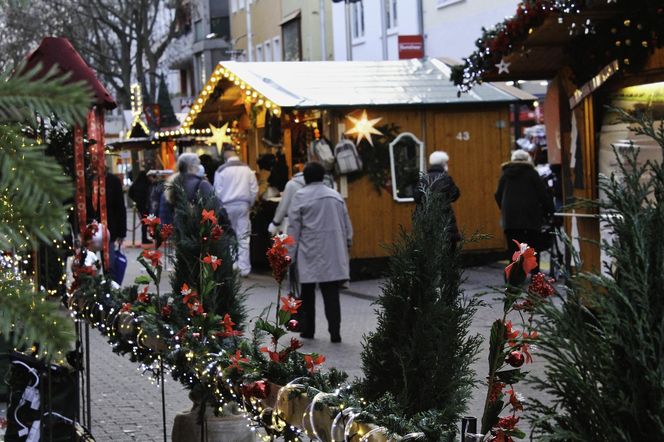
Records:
x=437, y=180
x=524, y=202
x=139, y=192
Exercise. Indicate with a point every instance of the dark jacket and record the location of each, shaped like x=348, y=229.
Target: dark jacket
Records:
x=522, y=197
x=439, y=181
x=139, y=192
x=116, y=212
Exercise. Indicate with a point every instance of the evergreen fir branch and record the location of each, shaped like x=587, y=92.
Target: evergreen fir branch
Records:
x=27, y=318
x=604, y=346
x=24, y=95
x=33, y=189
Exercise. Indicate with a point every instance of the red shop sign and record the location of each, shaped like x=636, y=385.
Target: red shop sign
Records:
x=411, y=46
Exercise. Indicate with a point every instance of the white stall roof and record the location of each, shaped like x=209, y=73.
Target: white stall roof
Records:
x=316, y=84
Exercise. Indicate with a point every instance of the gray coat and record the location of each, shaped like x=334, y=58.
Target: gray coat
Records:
x=320, y=225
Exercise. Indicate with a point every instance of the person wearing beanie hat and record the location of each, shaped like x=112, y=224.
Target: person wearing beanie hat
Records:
x=524, y=202
x=437, y=180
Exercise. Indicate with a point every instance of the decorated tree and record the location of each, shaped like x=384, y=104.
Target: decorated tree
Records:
x=604, y=345
x=417, y=364
x=32, y=193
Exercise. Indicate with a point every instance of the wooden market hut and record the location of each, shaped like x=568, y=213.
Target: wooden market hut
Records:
x=415, y=95
x=594, y=54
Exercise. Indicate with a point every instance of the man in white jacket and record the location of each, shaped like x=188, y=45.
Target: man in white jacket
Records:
x=236, y=187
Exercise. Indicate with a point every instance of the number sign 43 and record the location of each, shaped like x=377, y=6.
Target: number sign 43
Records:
x=463, y=136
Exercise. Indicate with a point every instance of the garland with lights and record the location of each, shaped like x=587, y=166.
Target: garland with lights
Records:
x=628, y=38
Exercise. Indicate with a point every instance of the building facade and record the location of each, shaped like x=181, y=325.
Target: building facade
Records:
x=281, y=30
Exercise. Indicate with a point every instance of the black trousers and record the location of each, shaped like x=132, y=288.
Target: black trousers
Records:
x=330, y=291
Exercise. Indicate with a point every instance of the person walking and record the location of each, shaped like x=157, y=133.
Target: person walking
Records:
x=439, y=181
x=236, y=187
x=524, y=202
x=139, y=192
x=322, y=231
x=280, y=220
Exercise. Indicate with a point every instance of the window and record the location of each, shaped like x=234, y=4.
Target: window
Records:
x=391, y=14
x=233, y=6
x=259, y=52
x=241, y=4
x=267, y=50
x=276, y=49
x=290, y=34
x=221, y=26
x=199, y=30
x=357, y=19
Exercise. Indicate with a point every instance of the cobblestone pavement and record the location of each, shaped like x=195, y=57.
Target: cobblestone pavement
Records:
x=126, y=406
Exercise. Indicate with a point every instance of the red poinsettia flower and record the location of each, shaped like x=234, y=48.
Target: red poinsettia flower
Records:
x=277, y=256
x=510, y=334
x=208, y=215
x=187, y=293
x=154, y=256
x=541, y=285
x=258, y=389
x=143, y=296
x=295, y=344
x=274, y=356
x=228, y=325
x=525, y=350
x=166, y=311
x=216, y=232
x=313, y=360
x=166, y=231
x=151, y=221
x=508, y=422
x=515, y=402
x=530, y=336
x=237, y=359
x=526, y=255
x=126, y=307
x=213, y=261
x=290, y=304
x=195, y=308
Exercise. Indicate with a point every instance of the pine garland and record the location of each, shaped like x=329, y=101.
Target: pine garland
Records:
x=418, y=361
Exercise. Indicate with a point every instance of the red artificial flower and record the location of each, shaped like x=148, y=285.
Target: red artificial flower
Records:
x=216, y=233
x=295, y=344
x=126, y=307
x=166, y=231
x=524, y=349
x=143, y=296
x=213, y=261
x=496, y=390
x=153, y=255
x=277, y=256
x=514, y=400
x=195, y=308
x=258, y=389
x=541, y=285
x=228, y=327
x=208, y=215
x=187, y=293
x=151, y=221
x=290, y=304
x=508, y=422
x=274, y=356
x=166, y=311
x=311, y=363
x=510, y=334
x=526, y=255
x=530, y=336
x=237, y=359
x=501, y=436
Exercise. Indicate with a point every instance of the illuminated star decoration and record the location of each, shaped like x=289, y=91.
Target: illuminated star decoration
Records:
x=503, y=67
x=363, y=127
x=219, y=136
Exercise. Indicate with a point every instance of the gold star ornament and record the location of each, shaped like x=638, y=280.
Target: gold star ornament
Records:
x=219, y=136
x=364, y=127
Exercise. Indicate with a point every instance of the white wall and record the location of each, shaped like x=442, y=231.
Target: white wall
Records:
x=370, y=47
x=451, y=30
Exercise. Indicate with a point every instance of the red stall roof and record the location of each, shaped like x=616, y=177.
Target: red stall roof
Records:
x=59, y=51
